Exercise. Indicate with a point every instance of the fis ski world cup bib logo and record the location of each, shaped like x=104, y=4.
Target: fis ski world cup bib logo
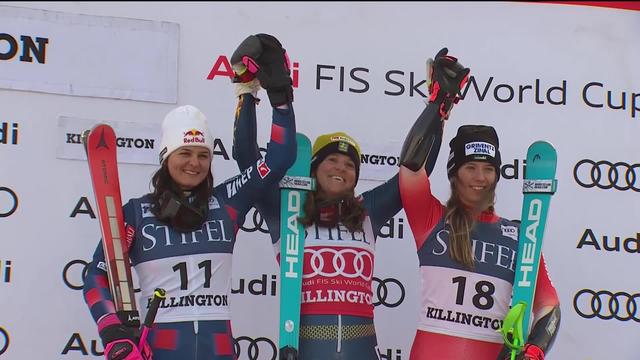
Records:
x=479, y=148
x=193, y=136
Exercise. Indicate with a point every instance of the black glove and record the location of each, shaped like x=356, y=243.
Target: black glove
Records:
x=121, y=342
x=264, y=56
x=288, y=353
x=446, y=78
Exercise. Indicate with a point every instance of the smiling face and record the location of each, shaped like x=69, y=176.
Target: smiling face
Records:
x=189, y=166
x=474, y=184
x=336, y=175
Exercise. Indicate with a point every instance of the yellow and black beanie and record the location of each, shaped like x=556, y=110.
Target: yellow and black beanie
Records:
x=337, y=142
x=474, y=143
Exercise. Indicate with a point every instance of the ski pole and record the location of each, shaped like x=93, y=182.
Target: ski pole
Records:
x=512, y=330
x=158, y=295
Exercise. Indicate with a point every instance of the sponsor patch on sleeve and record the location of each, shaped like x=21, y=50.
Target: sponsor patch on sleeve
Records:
x=145, y=208
x=130, y=233
x=213, y=203
x=510, y=231
x=102, y=266
x=263, y=169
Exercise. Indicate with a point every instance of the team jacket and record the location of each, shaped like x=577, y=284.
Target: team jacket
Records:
x=459, y=302
x=195, y=267
x=338, y=264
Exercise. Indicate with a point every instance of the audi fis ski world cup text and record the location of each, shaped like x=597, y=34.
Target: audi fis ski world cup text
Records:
x=609, y=243
x=5, y=271
x=244, y=347
x=8, y=133
x=396, y=82
x=76, y=344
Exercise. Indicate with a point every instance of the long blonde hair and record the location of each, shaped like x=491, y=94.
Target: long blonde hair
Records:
x=460, y=221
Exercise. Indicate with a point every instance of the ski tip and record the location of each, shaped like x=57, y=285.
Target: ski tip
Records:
x=542, y=146
x=303, y=140
x=542, y=159
x=541, y=150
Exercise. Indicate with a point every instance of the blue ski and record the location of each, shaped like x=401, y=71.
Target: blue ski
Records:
x=539, y=185
x=294, y=187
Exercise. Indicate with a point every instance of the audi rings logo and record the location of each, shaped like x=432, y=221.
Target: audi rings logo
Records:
x=8, y=202
x=389, y=292
x=73, y=274
x=607, y=305
x=253, y=348
x=254, y=223
x=607, y=175
x=4, y=340
x=350, y=263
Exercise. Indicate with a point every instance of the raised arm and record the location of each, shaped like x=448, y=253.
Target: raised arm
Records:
x=422, y=145
x=261, y=61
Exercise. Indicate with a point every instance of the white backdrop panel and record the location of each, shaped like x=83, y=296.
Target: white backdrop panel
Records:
x=565, y=74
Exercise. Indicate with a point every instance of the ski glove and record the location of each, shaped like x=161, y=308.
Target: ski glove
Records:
x=529, y=352
x=446, y=77
x=248, y=87
x=265, y=58
x=121, y=342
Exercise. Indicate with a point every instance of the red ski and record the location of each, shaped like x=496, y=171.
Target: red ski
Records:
x=100, y=145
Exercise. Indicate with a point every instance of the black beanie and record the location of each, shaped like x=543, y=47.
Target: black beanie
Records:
x=474, y=143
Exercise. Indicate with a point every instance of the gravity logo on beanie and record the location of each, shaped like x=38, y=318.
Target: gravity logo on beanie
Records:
x=184, y=126
x=337, y=142
x=474, y=143
x=479, y=148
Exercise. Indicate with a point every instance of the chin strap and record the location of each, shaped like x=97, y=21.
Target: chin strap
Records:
x=180, y=213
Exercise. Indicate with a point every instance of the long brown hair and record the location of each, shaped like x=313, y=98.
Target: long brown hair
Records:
x=351, y=211
x=460, y=220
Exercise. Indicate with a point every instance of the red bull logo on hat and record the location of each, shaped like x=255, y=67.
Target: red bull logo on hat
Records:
x=193, y=136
